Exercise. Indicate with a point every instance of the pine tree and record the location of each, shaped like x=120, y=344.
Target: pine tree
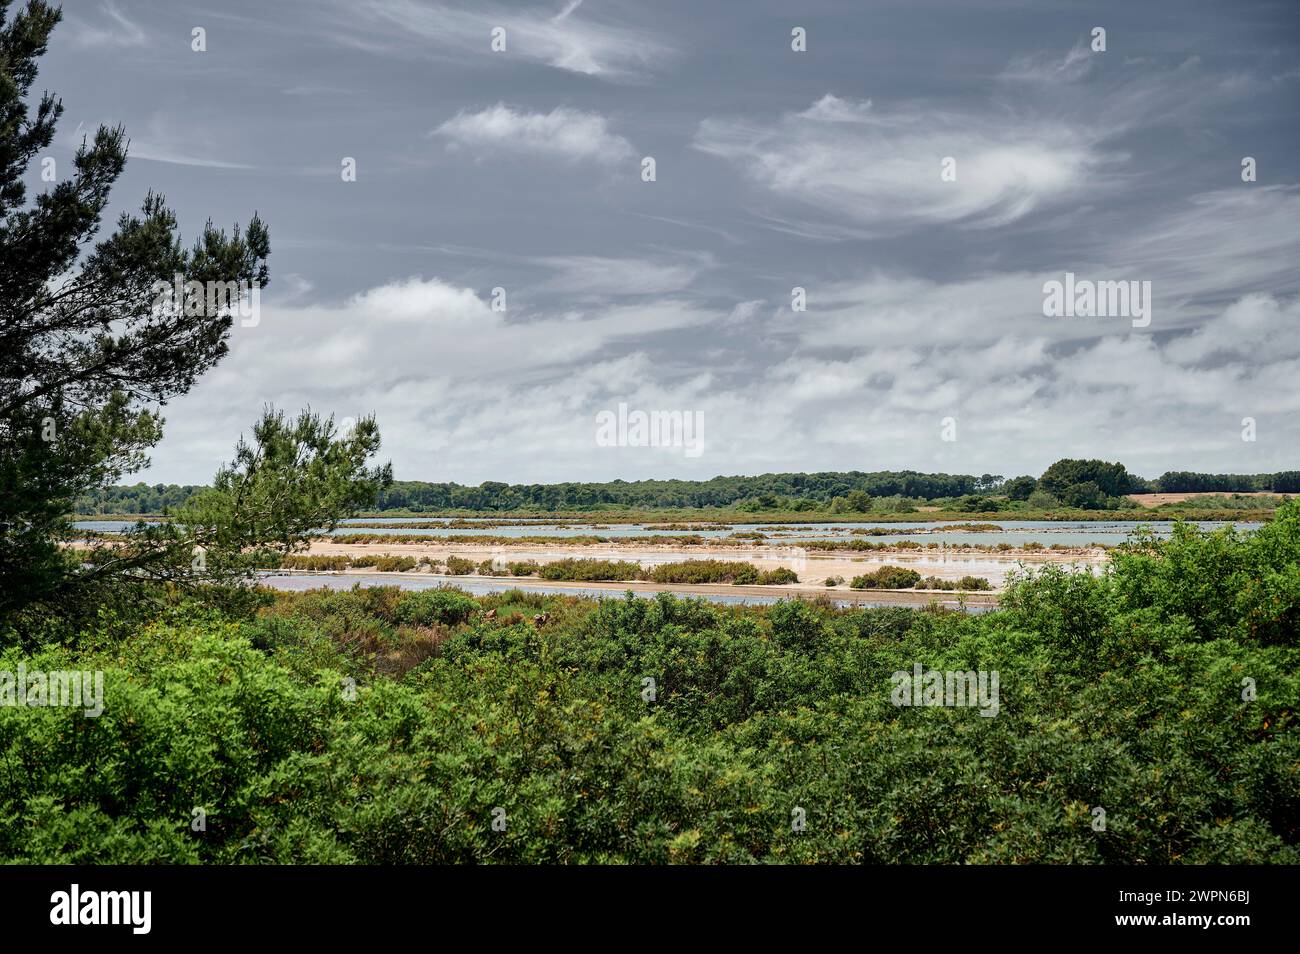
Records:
x=90, y=350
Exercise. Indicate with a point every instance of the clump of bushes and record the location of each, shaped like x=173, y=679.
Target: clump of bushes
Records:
x=426, y=607
x=886, y=578
x=736, y=572
x=459, y=566
x=590, y=571
x=834, y=581
x=705, y=571
x=935, y=583
x=300, y=561
x=384, y=563
x=965, y=583
x=495, y=568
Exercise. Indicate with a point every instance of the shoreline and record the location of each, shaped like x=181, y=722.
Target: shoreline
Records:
x=912, y=598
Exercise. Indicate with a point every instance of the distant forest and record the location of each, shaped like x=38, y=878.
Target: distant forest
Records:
x=1088, y=484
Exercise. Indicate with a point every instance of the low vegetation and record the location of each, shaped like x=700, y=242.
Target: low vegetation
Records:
x=381, y=727
x=886, y=578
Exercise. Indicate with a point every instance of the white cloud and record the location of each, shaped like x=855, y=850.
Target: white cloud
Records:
x=465, y=393
x=459, y=389
x=1257, y=329
x=563, y=133
x=600, y=42
x=832, y=109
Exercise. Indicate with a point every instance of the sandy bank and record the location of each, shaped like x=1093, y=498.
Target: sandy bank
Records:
x=915, y=598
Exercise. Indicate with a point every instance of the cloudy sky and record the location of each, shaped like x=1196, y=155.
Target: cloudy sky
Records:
x=774, y=169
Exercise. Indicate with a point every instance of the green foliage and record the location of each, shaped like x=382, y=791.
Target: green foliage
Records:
x=426, y=607
x=92, y=342
x=796, y=492
x=86, y=354
x=1019, y=488
x=706, y=571
x=966, y=583
x=1221, y=583
x=1089, y=484
x=589, y=570
x=459, y=566
x=886, y=578
x=1123, y=691
x=1182, y=481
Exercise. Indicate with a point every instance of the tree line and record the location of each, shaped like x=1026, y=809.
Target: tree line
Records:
x=1086, y=484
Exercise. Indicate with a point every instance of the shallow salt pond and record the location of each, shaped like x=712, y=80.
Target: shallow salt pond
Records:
x=1013, y=532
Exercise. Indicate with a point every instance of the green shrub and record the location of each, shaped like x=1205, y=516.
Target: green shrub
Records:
x=426, y=607
x=591, y=571
x=459, y=566
x=705, y=571
x=886, y=578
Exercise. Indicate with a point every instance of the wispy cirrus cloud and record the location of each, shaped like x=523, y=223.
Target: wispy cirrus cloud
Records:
x=880, y=168
x=1046, y=131
x=604, y=42
x=109, y=28
x=182, y=143
x=597, y=275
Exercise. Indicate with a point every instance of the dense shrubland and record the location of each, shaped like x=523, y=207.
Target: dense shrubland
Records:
x=1164, y=692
